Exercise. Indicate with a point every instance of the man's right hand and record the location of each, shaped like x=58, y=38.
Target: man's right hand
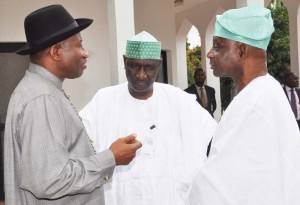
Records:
x=124, y=149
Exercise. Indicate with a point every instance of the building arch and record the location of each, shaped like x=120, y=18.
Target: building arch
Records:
x=181, y=36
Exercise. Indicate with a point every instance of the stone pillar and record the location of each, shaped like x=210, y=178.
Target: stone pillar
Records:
x=243, y=3
x=181, y=54
x=120, y=16
x=293, y=8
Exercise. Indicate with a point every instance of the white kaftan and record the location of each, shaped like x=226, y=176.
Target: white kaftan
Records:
x=255, y=153
x=162, y=172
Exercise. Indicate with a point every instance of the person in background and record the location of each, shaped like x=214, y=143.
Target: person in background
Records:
x=255, y=151
x=173, y=128
x=205, y=94
x=290, y=87
x=49, y=159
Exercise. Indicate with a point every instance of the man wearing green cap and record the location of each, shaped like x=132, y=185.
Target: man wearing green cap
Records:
x=255, y=152
x=173, y=128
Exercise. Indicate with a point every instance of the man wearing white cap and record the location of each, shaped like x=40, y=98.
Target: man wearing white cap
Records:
x=255, y=152
x=173, y=128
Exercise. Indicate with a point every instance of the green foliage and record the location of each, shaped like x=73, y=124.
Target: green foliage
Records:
x=187, y=45
x=279, y=47
x=193, y=57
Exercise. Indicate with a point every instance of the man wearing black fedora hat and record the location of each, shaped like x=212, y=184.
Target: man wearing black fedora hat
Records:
x=48, y=156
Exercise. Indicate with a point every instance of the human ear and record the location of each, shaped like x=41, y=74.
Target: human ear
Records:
x=55, y=52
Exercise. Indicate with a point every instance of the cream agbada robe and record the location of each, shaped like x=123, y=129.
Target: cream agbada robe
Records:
x=255, y=154
x=162, y=172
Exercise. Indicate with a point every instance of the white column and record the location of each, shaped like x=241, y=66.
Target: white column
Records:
x=294, y=24
x=121, y=28
x=211, y=80
x=181, y=54
x=243, y=3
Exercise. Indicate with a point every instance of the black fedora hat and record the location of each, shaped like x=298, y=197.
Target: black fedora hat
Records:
x=48, y=26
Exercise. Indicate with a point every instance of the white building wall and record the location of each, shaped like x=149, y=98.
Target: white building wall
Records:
x=243, y=3
x=293, y=8
x=120, y=28
x=157, y=17
x=181, y=36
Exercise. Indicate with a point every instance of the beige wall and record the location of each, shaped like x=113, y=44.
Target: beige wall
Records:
x=95, y=39
x=160, y=22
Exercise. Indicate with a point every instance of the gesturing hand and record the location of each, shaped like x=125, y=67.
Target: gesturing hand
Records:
x=124, y=149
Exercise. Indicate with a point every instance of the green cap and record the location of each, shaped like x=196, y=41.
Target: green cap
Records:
x=252, y=25
x=143, y=46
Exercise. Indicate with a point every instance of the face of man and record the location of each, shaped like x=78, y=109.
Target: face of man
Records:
x=292, y=80
x=141, y=75
x=72, y=57
x=224, y=57
x=199, y=77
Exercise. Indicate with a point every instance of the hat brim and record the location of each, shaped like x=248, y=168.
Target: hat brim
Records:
x=82, y=24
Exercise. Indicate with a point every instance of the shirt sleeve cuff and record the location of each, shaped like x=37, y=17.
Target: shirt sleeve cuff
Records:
x=106, y=162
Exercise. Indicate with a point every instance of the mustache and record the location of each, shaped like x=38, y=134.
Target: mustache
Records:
x=140, y=80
